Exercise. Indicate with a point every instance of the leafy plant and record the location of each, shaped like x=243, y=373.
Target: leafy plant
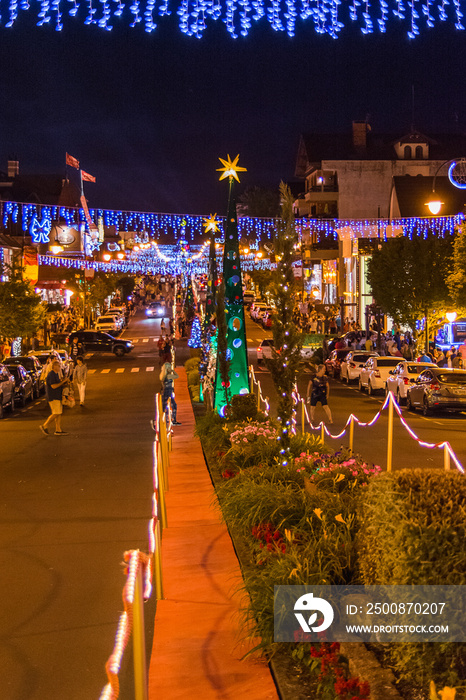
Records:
x=243, y=407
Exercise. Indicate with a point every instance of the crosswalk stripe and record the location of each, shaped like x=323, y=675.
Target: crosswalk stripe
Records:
x=145, y=340
x=134, y=369
x=135, y=340
x=91, y=371
x=105, y=371
x=150, y=369
x=120, y=370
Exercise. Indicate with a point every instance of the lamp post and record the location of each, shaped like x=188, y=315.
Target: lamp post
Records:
x=458, y=180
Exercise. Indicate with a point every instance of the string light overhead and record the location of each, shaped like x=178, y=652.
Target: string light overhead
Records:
x=327, y=16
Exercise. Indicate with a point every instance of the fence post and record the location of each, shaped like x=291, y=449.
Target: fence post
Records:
x=303, y=427
x=390, y=433
x=251, y=380
x=446, y=457
x=139, y=644
x=164, y=449
x=158, y=578
x=160, y=485
x=258, y=396
x=351, y=434
x=322, y=432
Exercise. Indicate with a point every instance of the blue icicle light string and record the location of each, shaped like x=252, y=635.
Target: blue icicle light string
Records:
x=327, y=16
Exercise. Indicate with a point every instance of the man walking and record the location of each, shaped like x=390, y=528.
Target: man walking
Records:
x=318, y=392
x=167, y=377
x=54, y=391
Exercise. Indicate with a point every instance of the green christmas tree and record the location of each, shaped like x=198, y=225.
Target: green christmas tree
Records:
x=235, y=331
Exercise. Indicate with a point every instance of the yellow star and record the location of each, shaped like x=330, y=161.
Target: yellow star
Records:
x=231, y=168
x=211, y=224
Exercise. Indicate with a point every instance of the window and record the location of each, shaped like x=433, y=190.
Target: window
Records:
x=407, y=152
x=419, y=153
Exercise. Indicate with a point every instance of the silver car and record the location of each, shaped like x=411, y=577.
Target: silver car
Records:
x=438, y=388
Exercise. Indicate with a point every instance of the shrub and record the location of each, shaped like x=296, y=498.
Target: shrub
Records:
x=192, y=363
x=413, y=532
x=193, y=378
x=243, y=407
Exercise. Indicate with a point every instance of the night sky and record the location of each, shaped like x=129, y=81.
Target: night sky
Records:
x=149, y=115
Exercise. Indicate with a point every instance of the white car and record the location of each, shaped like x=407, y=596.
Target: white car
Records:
x=405, y=374
x=264, y=351
x=374, y=373
x=108, y=324
x=351, y=365
x=257, y=308
x=116, y=311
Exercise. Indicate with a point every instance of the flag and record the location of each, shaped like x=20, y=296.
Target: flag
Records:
x=72, y=161
x=86, y=176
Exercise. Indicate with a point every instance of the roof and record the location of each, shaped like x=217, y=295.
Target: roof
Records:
x=44, y=189
x=314, y=148
x=412, y=194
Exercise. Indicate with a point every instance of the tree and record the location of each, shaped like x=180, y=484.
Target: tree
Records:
x=456, y=279
x=286, y=336
x=21, y=310
x=260, y=201
x=408, y=279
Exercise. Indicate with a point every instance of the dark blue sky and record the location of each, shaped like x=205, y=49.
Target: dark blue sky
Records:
x=149, y=115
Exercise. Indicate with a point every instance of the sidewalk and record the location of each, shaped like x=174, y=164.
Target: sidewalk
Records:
x=197, y=646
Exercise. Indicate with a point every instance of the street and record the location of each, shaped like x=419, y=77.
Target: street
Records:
x=70, y=507
x=371, y=442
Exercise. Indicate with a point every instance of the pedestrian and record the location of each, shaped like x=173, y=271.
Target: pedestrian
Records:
x=80, y=378
x=76, y=349
x=167, y=377
x=457, y=363
x=160, y=347
x=54, y=391
x=318, y=390
x=162, y=327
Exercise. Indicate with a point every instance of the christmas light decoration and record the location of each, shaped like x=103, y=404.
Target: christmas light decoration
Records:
x=195, y=340
x=236, y=353
x=327, y=16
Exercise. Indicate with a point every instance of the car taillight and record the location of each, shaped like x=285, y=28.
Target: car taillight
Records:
x=377, y=373
x=352, y=364
x=435, y=387
x=405, y=381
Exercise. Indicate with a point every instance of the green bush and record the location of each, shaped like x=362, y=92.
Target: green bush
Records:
x=243, y=407
x=192, y=363
x=413, y=532
x=414, y=529
x=193, y=378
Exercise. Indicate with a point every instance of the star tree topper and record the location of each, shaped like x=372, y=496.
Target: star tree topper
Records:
x=211, y=224
x=230, y=169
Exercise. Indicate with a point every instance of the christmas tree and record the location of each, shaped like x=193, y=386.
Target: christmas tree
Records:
x=195, y=340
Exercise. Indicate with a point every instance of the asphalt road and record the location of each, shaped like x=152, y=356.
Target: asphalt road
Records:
x=70, y=507
x=371, y=442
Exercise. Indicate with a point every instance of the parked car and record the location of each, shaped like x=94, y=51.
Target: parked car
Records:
x=97, y=341
x=7, y=390
x=43, y=355
x=438, y=388
x=156, y=308
x=263, y=313
x=267, y=319
x=351, y=365
x=264, y=351
x=248, y=299
x=334, y=360
x=117, y=311
x=34, y=368
x=24, y=387
x=256, y=309
x=109, y=324
x=374, y=373
x=404, y=374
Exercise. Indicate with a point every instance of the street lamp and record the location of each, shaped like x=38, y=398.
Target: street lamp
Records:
x=451, y=316
x=457, y=180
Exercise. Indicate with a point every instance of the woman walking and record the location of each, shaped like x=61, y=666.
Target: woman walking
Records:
x=80, y=378
x=318, y=389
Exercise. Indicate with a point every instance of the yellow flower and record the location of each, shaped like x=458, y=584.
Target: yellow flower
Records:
x=340, y=477
x=340, y=519
x=447, y=693
x=318, y=512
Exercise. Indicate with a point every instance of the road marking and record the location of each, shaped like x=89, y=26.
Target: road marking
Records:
x=105, y=371
x=150, y=369
x=135, y=340
x=145, y=340
x=120, y=370
x=91, y=371
x=134, y=369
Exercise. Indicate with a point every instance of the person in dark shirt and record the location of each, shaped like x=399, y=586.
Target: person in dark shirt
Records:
x=54, y=390
x=318, y=391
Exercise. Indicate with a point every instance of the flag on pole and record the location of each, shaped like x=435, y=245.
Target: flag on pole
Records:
x=87, y=177
x=72, y=161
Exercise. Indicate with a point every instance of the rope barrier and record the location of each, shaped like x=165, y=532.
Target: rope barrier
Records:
x=260, y=399
x=391, y=403
x=143, y=571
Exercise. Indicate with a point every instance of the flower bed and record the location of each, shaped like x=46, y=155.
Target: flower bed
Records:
x=315, y=521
